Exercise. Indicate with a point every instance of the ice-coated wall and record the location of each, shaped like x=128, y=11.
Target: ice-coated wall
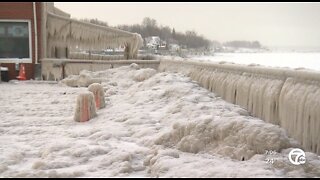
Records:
x=53, y=69
x=286, y=97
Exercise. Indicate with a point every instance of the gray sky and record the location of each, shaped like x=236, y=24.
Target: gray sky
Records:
x=273, y=24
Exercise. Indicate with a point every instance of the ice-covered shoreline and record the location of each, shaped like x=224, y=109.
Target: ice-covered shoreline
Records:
x=154, y=125
x=268, y=59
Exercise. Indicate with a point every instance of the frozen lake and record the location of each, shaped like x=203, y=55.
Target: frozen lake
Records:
x=290, y=60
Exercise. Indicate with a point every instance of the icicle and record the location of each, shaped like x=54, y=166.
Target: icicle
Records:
x=288, y=98
x=299, y=112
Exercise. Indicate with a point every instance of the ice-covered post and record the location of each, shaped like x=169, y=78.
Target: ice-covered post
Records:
x=98, y=93
x=85, y=109
x=132, y=48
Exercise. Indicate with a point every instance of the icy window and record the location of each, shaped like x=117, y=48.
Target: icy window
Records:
x=14, y=40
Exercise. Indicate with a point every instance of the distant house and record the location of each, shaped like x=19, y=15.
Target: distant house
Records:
x=153, y=42
x=174, y=47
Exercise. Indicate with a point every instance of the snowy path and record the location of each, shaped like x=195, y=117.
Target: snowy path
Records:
x=161, y=125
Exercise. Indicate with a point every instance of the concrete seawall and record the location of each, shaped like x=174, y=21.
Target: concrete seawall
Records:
x=288, y=98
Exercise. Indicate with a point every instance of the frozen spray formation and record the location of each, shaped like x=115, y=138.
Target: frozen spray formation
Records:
x=82, y=80
x=54, y=69
x=236, y=138
x=289, y=98
x=299, y=105
x=64, y=32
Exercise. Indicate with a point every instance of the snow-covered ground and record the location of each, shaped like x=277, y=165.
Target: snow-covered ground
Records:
x=154, y=125
x=276, y=59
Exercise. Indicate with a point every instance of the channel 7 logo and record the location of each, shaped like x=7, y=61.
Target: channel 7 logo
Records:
x=297, y=156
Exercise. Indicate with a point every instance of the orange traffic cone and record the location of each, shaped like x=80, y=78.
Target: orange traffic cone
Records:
x=22, y=73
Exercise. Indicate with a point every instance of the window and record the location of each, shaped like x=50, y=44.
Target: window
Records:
x=15, y=41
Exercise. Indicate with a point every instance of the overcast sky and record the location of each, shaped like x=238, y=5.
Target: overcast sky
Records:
x=273, y=24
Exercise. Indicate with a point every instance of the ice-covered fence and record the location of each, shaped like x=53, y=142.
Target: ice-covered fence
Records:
x=64, y=34
x=94, y=56
x=57, y=69
x=289, y=98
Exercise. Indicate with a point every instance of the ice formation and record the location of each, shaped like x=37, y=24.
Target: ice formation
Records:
x=65, y=33
x=288, y=98
x=85, y=108
x=52, y=69
x=143, y=74
x=237, y=138
x=299, y=111
x=84, y=79
x=98, y=93
x=51, y=72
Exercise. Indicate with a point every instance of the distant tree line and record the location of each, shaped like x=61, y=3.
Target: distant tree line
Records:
x=189, y=39
x=149, y=27
x=95, y=21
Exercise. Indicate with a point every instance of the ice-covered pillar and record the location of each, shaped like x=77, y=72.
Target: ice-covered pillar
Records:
x=98, y=93
x=127, y=52
x=132, y=48
x=85, y=108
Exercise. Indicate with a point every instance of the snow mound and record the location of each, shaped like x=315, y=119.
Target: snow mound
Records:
x=84, y=79
x=237, y=138
x=143, y=74
x=134, y=66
